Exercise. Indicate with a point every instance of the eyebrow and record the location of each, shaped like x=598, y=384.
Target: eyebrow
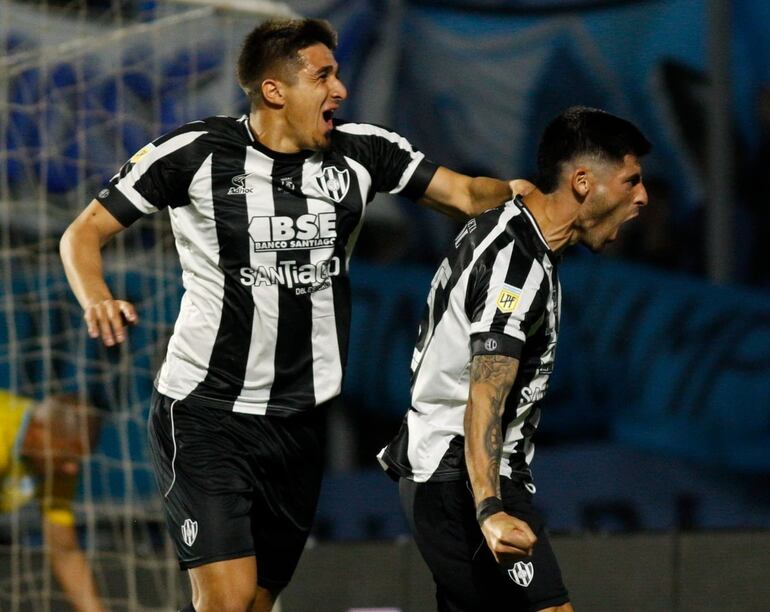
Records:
x=328, y=69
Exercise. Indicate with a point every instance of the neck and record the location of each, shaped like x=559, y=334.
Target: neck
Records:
x=556, y=214
x=270, y=128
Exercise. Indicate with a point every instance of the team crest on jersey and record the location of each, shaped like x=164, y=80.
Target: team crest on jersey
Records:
x=334, y=182
x=522, y=572
x=508, y=298
x=189, y=531
x=239, y=185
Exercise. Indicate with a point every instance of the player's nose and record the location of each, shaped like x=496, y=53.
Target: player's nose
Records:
x=339, y=91
x=641, y=198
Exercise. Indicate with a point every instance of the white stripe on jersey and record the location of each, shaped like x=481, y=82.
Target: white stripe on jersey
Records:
x=260, y=363
x=126, y=184
x=497, y=279
x=327, y=364
x=190, y=346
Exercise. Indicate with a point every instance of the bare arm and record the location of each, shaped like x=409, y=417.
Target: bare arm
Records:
x=458, y=195
x=80, y=250
x=491, y=379
x=71, y=567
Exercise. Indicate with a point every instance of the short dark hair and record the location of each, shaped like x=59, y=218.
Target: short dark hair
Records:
x=275, y=44
x=581, y=130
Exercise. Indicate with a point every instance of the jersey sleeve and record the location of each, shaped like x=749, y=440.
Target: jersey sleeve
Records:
x=394, y=164
x=157, y=176
x=505, y=301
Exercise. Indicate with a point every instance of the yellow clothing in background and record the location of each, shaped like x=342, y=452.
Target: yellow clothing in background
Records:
x=17, y=484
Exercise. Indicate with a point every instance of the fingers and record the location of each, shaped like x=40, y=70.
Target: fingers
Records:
x=105, y=320
x=508, y=536
x=521, y=186
x=517, y=541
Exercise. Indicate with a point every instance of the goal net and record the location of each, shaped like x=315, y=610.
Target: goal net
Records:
x=84, y=84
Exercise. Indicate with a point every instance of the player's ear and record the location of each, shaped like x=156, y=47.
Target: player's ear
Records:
x=272, y=92
x=581, y=182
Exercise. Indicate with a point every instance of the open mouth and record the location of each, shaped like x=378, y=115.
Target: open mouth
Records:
x=327, y=117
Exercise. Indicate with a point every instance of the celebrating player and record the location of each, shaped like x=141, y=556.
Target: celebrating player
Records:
x=265, y=210
x=41, y=444
x=483, y=359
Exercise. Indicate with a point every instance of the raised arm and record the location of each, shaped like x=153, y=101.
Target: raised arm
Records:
x=491, y=379
x=462, y=196
x=80, y=250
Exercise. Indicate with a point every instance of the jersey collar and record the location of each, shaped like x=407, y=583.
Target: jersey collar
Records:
x=277, y=155
x=519, y=201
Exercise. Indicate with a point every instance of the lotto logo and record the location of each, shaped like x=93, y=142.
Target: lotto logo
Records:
x=280, y=233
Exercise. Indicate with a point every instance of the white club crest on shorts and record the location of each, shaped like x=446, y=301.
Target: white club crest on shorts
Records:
x=522, y=573
x=334, y=182
x=189, y=531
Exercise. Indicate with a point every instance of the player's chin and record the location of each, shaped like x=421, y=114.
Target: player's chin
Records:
x=323, y=141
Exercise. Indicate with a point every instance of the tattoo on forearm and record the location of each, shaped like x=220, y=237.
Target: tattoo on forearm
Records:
x=497, y=373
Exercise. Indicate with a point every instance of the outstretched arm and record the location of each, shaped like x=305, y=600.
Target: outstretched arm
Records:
x=462, y=196
x=491, y=379
x=80, y=250
x=71, y=567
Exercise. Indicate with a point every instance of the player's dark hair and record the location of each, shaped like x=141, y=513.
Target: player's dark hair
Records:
x=580, y=130
x=275, y=45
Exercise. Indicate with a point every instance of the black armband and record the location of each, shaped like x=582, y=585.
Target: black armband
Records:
x=487, y=507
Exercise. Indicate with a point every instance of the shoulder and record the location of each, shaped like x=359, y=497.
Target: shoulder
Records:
x=211, y=128
x=347, y=132
x=503, y=228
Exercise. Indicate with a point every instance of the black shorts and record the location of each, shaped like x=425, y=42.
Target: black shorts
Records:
x=468, y=579
x=236, y=485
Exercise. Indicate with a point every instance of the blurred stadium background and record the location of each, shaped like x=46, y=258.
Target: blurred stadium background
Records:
x=654, y=451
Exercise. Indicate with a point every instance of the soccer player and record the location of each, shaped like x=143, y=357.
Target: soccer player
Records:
x=41, y=445
x=265, y=210
x=484, y=355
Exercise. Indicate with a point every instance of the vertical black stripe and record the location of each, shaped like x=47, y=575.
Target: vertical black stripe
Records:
x=293, y=381
x=349, y=213
x=227, y=366
x=520, y=264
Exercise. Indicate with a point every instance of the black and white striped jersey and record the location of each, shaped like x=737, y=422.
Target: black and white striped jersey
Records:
x=264, y=240
x=496, y=293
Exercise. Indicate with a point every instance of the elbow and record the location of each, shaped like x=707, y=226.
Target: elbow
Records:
x=67, y=244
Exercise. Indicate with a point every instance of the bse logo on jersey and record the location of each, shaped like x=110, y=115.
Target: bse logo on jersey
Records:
x=334, y=182
x=281, y=233
x=508, y=298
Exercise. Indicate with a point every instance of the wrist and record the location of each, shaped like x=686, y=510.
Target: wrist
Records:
x=487, y=507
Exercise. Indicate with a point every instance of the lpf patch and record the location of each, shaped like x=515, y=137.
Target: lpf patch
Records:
x=508, y=298
x=522, y=572
x=334, y=182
